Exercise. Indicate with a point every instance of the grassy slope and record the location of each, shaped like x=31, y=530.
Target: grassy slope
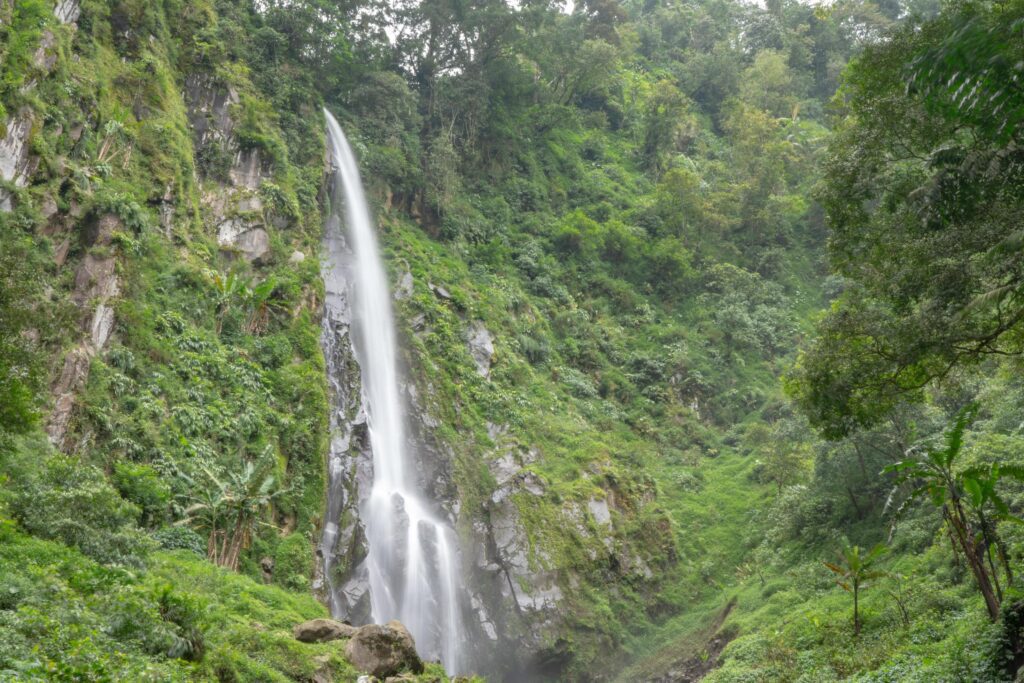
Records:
x=65, y=617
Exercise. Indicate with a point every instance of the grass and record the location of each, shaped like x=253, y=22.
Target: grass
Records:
x=65, y=617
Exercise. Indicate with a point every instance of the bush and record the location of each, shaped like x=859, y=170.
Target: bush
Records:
x=59, y=497
x=293, y=562
x=181, y=538
x=578, y=383
x=142, y=485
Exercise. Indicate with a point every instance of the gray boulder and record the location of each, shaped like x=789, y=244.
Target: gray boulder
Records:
x=322, y=630
x=248, y=240
x=384, y=651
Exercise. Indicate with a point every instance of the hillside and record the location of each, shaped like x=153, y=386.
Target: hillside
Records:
x=674, y=282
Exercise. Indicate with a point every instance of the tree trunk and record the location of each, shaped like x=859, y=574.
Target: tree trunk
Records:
x=211, y=546
x=856, y=506
x=974, y=555
x=235, y=549
x=856, y=608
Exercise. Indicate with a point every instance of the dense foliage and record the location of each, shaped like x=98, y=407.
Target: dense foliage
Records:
x=650, y=205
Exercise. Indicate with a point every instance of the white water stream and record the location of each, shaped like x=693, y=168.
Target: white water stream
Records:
x=413, y=564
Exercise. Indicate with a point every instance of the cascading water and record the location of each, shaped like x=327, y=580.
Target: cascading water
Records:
x=412, y=564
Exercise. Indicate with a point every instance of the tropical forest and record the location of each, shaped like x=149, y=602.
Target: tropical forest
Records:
x=512, y=341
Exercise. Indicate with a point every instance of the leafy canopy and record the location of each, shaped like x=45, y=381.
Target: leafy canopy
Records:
x=922, y=189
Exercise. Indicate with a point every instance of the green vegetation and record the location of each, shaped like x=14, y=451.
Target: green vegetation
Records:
x=198, y=421
x=854, y=571
x=753, y=280
x=68, y=618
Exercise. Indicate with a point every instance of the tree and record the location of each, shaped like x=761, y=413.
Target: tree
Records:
x=854, y=571
x=313, y=30
x=22, y=329
x=964, y=497
x=667, y=126
x=257, y=300
x=783, y=453
x=226, y=504
x=922, y=194
x=768, y=85
x=981, y=497
x=227, y=288
x=260, y=302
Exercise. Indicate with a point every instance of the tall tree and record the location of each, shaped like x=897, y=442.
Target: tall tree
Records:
x=923, y=191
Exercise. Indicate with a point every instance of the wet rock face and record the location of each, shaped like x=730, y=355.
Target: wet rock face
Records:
x=384, y=651
x=342, y=579
x=516, y=594
x=322, y=631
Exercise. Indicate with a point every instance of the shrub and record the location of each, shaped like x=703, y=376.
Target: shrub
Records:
x=142, y=485
x=59, y=497
x=181, y=538
x=293, y=562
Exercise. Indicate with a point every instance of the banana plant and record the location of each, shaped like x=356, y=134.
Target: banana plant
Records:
x=227, y=505
x=854, y=570
x=987, y=506
x=112, y=130
x=227, y=288
x=259, y=301
x=964, y=495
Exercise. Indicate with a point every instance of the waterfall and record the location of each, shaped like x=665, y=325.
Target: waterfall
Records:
x=412, y=565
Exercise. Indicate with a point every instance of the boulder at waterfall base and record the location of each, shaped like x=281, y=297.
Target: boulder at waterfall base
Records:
x=322, y=630
x=383, y=650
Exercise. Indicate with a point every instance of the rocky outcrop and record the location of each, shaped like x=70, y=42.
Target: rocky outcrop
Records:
x=404, y=286
x=527, y=583
x=209, y=110
x=95, y=279
x=72, y=377
x=67, y=11
x=233, y=205
x=383, y=651
x=322, y=631
x=248, y=240
x=599, y=511
x=96, y=286
x=45, y=57
x=16, y=163
x=247, y=170
x=481, y=348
